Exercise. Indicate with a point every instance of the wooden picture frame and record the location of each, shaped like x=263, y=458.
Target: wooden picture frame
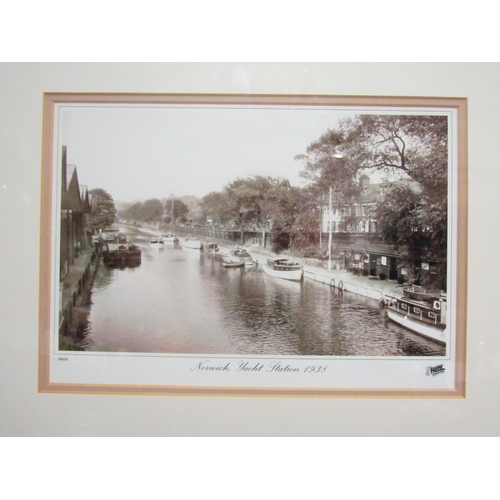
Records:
x=194, y=373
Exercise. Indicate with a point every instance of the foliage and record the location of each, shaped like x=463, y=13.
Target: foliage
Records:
x=416, y=229
x=149, y=211
x=214, y=205
x=326, y=166
x=103, y=212
x=180, y=211
x=152, y=210
x=412, y=147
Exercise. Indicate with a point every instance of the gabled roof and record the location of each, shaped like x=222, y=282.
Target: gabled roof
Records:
x=85, y=200
x=71, y=191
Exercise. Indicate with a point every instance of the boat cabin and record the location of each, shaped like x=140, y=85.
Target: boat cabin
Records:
x=283, y=264
x=432, y=313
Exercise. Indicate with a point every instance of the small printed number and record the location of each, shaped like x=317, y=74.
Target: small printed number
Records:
x=315, y=369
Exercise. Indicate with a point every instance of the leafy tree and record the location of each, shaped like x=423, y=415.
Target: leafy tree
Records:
x=259, y=200
x=133, y=212
x=180, y=210
x=415, y=229
x=397, y=147
x=152, y=210
x=103, y=212
x=410, y=146
x=216, y=206
x=306, y=224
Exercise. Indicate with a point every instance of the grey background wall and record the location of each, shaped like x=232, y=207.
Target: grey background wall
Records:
x=25, y=412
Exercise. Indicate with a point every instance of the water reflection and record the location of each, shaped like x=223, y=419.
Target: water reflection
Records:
x=184, y=301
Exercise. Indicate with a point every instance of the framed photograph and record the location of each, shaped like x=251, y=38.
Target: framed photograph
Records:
x=253, y=245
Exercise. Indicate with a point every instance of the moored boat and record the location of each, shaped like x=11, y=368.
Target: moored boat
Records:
x=243, y=255
x=169, y=238
x=425, y=318
x=156, y=242
x=283, y=267
x=112, y=235
x=192, y=242
x=120, y=252
x=211, y=248
x=415, y=292
x=232, y=262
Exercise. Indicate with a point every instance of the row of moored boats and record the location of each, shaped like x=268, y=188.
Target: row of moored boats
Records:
x=279, y=267
x=418, y=310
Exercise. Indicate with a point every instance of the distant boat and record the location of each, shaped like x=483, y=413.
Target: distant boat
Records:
x=283, y=267
x=113, y=235
x=120, y=251
x=156, y=242
x=169, y=238
x=211, y=248
x=243, y=255
x=425, y=318
x=232, y=262
x=192, y=242
x=415, y=292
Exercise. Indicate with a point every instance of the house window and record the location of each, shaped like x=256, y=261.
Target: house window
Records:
x=383, y=261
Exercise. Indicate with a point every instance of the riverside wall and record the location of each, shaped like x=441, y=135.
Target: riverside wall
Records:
x=74, y=296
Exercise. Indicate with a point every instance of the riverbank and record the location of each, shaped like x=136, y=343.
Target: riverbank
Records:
x=365, y=286
x=74, y=295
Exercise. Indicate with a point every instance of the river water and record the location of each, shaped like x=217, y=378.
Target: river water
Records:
x=184, y=301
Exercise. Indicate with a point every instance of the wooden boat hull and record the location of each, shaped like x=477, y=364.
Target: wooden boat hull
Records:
x=157, y=244
x=414, y=293
x=233, y=264
x=434, y=332
x=116, y=253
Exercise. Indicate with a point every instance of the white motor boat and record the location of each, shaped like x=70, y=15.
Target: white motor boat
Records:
x=283, y=267
x=192, y=242
x=156, y=242
x=169, y=238
x=427, y=318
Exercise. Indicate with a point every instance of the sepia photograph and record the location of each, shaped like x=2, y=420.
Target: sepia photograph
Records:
x=240, y=237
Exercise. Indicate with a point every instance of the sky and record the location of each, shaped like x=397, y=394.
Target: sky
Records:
x=140, y=152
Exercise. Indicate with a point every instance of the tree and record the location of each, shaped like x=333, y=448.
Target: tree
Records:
x=326, y=167
x=396, y=147
x=408, y=146
x=133, y=212
x=152, y=210
x=103, y=212
x=180, y=210
x=415, y=230
x=259, y=200
x=215, y=205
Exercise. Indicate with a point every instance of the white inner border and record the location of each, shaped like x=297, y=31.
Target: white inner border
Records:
x=91, y=368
